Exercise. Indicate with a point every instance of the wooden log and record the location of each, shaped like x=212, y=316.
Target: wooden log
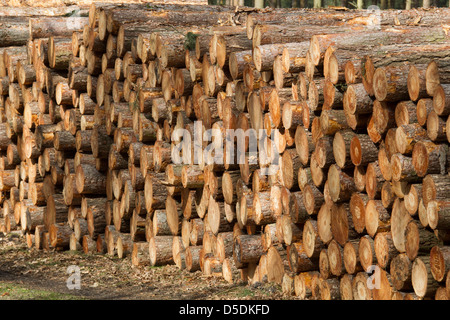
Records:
x=80, y=228
x=399, y=221
x=341, y=186
x=418, y=240
x=422, y=213
x=432, y=76
x=428, y=158
x=312, y=241
x=439, y=262
x=357, y=100
x=417, y=82
x=302, y=284
x=374, y=180
x=441, y=294
x=433, y=187
x=360, y=288
x=407, y=135
x=137, y=227
x=362, y=150
x=405, y=113
x=192, y=258
x=424, y=107
x=7, y=180
x=160, y=250
x=274, y=266
x=64, y=140
x=160, y=225
x=345, y=287
x=31, y=216
x=403, y=169
x=297, y=210
x=224, y=245
x=358, y=202
x=60, y=235
x=377, y=218
x=173, y=211
x=96, y=221
x=100, y=142
x=341, y=224
x=38, y=236
x=330, y=289
x=59, y=52
x=331, y=121
x=436, y=127
x=290, y=163
x=124, y=245
x=291, y=232
x=303, y=144
x=247, y=248
x=342, y=148
x=351, y=257
x=56, y=210
x=438, y=214
x=324, y=265
x=140, y=254
x=89, y=180
x=335, y=258
x=441, y=100
x=423, y=283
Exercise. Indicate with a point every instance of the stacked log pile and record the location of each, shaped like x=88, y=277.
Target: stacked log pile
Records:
x=356, y=106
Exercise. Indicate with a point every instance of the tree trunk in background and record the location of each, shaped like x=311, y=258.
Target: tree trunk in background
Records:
x=382, y=4
x=426, y=3
x=408, y=4
x=259, y=3
x=317, y=3
x=359, y=4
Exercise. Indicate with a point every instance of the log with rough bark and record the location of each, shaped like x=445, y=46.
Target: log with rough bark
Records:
x=60, y=235
x=160, y=250
x=423, y=283
x=247, y=248
x=439, y=262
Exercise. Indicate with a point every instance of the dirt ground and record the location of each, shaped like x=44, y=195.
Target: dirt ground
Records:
x=31, y=274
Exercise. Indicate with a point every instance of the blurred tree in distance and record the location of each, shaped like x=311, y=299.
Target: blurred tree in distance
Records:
x=351, y=4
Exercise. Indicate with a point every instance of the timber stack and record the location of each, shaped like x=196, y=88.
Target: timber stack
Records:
x=356, y=106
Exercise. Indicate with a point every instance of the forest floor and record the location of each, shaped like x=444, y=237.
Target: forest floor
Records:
x=31, y=274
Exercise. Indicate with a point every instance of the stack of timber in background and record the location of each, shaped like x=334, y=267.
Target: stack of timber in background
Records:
x=359, y=105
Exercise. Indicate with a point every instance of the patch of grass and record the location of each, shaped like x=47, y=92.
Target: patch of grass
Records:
x=74, y=253
x=43, y=263
x=189, y=41
x=244, y=292
x=13, y=249
x=10, y=291
x=123, y=283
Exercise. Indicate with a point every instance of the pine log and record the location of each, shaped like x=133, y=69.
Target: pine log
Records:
x=423, y=283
